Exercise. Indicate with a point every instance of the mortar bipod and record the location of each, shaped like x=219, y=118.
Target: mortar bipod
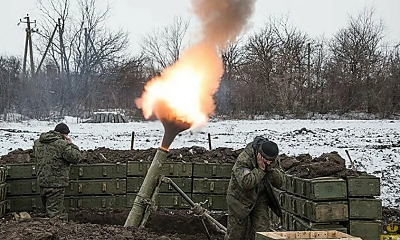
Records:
x=197, y=208
x=150, y=205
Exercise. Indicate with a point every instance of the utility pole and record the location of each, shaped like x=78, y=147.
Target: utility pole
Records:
x=47, y=49
x=309, y=75
x=60, y=33
x=28, y=44
x=64, y=60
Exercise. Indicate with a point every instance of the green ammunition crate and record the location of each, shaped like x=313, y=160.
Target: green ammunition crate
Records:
x=21, y=171
x=3, y=191
x=137, y=168
x=210, y=185
x=24, y=203
x=169, y=200
x=273, y=217
x=317, y=211
x=30, y=203
x=324, y=188
x=367, y=230
x=288, y=183
x=3, y=208
x=280, y=195
x=170, y=169
x=365, y=208
x=285, y=219
x=23, y=187
x=97, y=202
x=212, y=170
x=295, y=223
x=95, y=171
x=211, y=202
x=134, y=184
x=3, y=173
x=363, y=186
x=96, y=187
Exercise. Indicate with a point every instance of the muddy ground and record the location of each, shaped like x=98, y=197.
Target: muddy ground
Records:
x=164, y=223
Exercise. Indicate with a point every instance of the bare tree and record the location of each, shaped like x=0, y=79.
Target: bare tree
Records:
x=163, y=47
x=83, y=49
x=10, y=84
x=356, y=60
x=260, y=53
x=276, y=68
x=226, y=98
x=123, y=84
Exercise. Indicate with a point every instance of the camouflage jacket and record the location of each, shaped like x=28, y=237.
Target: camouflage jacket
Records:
x=250, y=185
x=54, y=155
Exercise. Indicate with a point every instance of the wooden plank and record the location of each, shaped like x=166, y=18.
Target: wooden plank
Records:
x=305, y=235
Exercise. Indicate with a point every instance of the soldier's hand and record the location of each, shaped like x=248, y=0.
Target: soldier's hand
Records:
x=260, y=161
x=68, y=140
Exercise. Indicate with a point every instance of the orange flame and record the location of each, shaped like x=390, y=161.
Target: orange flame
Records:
x=184, y=91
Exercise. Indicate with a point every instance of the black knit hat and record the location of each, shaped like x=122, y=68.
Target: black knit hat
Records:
x=269, y=149
x=62, y=128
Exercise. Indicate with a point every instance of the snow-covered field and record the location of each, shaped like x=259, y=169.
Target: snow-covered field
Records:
x=374, y=145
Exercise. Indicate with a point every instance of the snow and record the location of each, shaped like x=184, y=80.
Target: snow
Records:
x=373, y=145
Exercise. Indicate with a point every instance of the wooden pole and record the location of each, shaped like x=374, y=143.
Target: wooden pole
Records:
x=209, y=141
x=132, y=139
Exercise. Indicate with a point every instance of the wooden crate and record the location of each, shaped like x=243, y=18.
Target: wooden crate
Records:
x=304, y=235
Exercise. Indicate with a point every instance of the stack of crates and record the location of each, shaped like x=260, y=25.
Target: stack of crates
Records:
x=319, y=204
x=179, y=172
x=3, y=191
x=97, y=186
x=115, y=185
x=22, y=188
x=91, y=186
x=365, y=209
x=210, y=184
x=327, y=203
x=313, y=204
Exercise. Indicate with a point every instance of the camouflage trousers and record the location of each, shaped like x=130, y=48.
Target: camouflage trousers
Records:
x=257, y=221
x=53, y=202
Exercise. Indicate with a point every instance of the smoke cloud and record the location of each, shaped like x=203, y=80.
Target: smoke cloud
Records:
x=223, y=20
x=184, y=91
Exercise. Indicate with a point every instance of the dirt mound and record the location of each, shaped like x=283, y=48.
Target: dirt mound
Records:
x=87, y=224
x=303, y=165
x=328, y=164
x=106, y=155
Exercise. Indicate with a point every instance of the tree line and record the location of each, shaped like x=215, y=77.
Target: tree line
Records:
x=275, y=70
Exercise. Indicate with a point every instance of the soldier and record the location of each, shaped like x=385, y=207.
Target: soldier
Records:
x=250, y=193
x=54, y=153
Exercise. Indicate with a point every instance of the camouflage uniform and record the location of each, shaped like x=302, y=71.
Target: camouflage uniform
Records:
x=249, y=195
x=54, y=155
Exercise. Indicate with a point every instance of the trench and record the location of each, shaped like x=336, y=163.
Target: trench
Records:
x=162, y=221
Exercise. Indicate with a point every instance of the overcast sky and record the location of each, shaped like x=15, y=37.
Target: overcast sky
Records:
x=138, y=18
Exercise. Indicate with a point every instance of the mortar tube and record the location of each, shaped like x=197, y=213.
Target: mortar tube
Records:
x=143, y=198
